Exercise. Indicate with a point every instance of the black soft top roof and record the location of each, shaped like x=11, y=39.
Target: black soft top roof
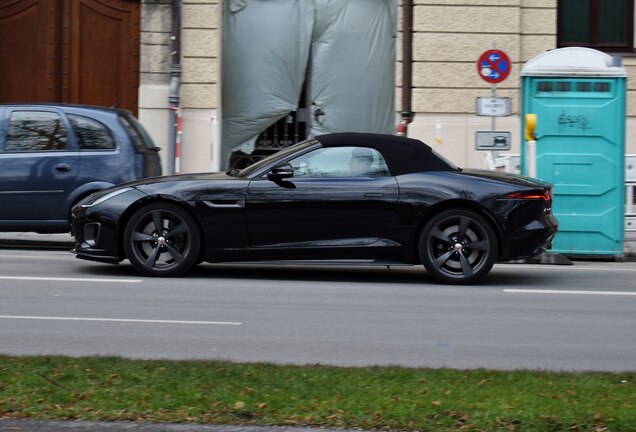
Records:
x=402, y=155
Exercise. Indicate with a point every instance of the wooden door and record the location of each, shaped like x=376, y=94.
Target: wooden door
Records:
x=27, y=50
x=77, y=51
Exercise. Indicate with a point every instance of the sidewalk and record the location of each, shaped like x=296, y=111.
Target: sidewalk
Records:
x=630, y=245
x=36, y=240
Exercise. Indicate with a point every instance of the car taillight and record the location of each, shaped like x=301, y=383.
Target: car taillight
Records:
x=545, y=195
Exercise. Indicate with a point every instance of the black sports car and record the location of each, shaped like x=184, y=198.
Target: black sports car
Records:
x=347, y=198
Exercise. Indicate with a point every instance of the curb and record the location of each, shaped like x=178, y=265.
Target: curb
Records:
x=19, y=240
x=27, y=425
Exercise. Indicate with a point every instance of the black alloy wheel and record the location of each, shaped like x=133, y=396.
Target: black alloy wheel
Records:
x=162, y=239
x=458, y=246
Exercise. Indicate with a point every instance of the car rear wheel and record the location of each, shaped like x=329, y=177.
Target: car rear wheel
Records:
x=162, y=239
x=458, y=246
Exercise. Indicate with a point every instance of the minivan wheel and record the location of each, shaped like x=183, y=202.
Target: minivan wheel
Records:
x=162, y=239
x=458, y=246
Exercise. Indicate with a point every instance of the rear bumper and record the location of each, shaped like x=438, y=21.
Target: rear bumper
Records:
x=531, y=239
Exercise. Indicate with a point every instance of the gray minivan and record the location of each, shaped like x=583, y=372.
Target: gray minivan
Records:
x=53, y=155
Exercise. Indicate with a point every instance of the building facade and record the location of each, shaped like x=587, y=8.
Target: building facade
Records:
x=167, y=54
x=448, y=37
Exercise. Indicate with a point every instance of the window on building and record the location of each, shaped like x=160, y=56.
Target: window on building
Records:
x=606, y=25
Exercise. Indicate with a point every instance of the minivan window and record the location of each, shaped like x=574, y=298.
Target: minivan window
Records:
x=35, y=131
x=91, y=134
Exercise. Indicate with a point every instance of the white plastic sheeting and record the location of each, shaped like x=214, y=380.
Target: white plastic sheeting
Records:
x=266, y=45
x=353, y=66
x=266, y=52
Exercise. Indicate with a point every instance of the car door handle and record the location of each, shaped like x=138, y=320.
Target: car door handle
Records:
x=373, y=195
x=62, y=168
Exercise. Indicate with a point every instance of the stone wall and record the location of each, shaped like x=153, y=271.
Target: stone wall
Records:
x=200, y=84
x=449, y=36
x=199, y=90
x=156, y=28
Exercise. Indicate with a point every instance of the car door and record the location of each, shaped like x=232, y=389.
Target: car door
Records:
x=37, y=167
x=324, y=207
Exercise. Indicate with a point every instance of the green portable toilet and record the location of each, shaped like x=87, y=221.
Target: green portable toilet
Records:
x=579, y=98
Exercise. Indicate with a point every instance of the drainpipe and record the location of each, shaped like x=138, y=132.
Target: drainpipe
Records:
x=407, y=67
x=173, y=91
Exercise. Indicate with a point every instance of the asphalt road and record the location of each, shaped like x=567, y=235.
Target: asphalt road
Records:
x=579, y=317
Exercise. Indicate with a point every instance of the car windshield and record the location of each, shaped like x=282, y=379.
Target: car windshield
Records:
x=246, y=172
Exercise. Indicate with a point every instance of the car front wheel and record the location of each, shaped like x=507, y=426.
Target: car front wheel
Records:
x=162, y=239
x=458, y=246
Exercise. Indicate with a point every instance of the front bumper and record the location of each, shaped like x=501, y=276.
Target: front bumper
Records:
x=95, y=241
x=96, y=228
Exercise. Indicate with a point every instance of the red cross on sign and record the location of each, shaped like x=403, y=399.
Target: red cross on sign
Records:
x=494, y=66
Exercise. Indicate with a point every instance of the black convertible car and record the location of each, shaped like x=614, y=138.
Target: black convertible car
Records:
x=347, y=198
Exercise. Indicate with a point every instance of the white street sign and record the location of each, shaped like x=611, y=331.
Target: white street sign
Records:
x=492, y=140
x=493, y=106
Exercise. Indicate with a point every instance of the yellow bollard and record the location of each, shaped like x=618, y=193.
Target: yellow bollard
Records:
x=531, y=144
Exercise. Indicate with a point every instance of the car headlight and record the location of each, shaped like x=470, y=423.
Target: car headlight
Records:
x=106, y=197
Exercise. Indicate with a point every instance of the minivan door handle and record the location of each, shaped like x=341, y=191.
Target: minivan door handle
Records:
x=62, y=167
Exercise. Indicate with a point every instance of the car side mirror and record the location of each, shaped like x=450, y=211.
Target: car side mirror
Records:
x=281, y=172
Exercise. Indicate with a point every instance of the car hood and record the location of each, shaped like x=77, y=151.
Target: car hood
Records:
x=175, y=184
x=192, y=187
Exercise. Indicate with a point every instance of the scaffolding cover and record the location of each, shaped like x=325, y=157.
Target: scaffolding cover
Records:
x=266, y=45
x=353, y=66
x=266, y=52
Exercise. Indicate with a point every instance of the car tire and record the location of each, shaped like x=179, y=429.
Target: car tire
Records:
x=458, y=246
x=162, y=239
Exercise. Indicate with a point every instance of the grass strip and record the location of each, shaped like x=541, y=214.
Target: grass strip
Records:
x=391, y=398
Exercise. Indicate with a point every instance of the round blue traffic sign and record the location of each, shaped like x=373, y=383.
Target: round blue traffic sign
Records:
x=494, y=66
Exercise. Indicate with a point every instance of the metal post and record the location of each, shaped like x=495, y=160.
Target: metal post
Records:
x=175, y=83
x=407, y=66
x=493, y=125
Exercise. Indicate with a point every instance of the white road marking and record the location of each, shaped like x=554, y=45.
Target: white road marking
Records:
x=571, y=292
x=64, y=279
x=612, y=267
x=118, y=320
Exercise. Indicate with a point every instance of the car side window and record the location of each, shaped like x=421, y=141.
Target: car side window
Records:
x=340, y=162
x=322, y=162
x=91, y=134
x=34, y=131
x=367, y=162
